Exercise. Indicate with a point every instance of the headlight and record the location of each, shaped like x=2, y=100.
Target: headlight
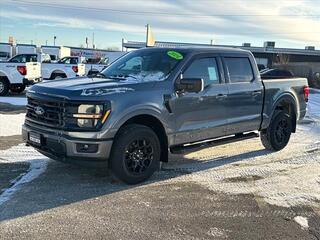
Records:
x=89, y=115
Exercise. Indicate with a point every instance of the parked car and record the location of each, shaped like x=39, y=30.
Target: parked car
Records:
x=155, y=100
x=16, y=76
x=276, y=74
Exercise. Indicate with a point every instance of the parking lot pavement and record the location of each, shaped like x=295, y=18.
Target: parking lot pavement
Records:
x=235, y=191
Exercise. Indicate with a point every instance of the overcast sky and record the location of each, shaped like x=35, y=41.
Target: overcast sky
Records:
x=291, y=23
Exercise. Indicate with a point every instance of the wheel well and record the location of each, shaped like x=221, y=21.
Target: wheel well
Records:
x=57, y=73
x=288, y=107
x=155, y=124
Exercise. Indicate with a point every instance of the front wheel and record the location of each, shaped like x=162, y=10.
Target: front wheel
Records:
x=277, y=135
x=135, y=153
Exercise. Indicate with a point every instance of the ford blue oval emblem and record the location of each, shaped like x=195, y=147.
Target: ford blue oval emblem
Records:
x=39, y=111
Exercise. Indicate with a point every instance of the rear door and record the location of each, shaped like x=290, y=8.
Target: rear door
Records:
x=202, y=115
x=245, y=97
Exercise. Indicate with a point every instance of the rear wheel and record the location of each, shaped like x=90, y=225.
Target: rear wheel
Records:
x=277, y=135
x=4, y=87
x=135, y=153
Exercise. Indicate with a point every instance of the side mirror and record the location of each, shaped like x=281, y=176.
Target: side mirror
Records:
x=190, y=85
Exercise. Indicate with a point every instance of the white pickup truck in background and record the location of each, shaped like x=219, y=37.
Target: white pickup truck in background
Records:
x=92, y=66
x=95, y=65
x=64, y=68
x=16, y=76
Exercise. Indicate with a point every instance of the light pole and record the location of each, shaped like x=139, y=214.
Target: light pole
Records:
x=54, y=40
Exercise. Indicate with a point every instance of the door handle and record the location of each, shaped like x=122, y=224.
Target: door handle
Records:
x=256, y=92
x=221, y=96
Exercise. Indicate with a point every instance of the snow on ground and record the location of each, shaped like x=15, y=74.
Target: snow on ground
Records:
x=21, y=153
x=10, y=124
x=20, y=101
x=302, y=221
x=286, y=178
x=314, y=105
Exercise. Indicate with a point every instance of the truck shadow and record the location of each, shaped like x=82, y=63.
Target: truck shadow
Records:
x=64, y=184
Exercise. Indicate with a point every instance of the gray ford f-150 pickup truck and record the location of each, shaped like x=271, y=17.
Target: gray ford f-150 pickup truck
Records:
x=157, y=100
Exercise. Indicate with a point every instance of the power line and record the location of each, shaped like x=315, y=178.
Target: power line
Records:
x=133, y=12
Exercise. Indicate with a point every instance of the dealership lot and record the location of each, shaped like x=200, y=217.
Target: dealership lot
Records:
x=236, y=191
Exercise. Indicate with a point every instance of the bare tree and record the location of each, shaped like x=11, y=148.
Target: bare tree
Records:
x=283, y=59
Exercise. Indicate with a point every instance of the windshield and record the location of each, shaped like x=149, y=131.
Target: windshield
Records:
x=145, y=65
x=69, y=60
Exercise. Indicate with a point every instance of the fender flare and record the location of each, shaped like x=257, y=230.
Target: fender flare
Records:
x=149, y=110
x=287, y=97
x=290, y=99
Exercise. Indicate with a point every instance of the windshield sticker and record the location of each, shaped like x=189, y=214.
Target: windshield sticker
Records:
x=175, y=55
x=104, y=91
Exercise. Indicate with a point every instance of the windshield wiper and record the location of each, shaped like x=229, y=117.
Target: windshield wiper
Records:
x=130, y=75
x=101, y=75
x=117, y=77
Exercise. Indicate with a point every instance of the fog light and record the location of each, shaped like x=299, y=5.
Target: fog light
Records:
x=86, y=148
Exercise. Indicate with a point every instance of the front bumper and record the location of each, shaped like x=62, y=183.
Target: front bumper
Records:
x=64, y=148
x=28, y=82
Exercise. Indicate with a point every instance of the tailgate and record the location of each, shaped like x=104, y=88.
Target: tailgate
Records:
x=33, y=70
x=81, y=69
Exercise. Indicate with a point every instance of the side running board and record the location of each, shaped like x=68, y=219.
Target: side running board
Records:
x=183, y=149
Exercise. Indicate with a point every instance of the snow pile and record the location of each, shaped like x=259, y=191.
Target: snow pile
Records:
x=21, y=153
x=20, y=101
x=10, y=124
x=302, y=221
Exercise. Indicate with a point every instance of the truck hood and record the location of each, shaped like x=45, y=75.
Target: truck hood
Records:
x=84, y=87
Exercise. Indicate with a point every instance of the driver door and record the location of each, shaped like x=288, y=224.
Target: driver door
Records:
x=202, y=115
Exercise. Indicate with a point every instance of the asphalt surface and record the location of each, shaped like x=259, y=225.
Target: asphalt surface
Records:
x=196, y=196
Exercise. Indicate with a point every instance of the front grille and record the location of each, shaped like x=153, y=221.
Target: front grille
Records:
x=57, y=112
x=53, y=112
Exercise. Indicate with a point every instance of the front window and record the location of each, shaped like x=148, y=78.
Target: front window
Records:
x=205, y=68
x=144, y=65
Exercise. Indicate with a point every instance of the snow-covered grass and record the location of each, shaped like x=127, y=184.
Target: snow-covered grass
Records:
x=10, y=124
x=20, y=101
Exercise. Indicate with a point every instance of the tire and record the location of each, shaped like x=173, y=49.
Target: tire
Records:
x=18, y=89
x=135, y=154
x=277, y=135
x=4, y=87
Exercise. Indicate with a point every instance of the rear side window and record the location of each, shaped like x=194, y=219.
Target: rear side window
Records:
x=239, y=69
x=205, y=68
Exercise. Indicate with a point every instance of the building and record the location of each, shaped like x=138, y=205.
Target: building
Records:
x=302, y=62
